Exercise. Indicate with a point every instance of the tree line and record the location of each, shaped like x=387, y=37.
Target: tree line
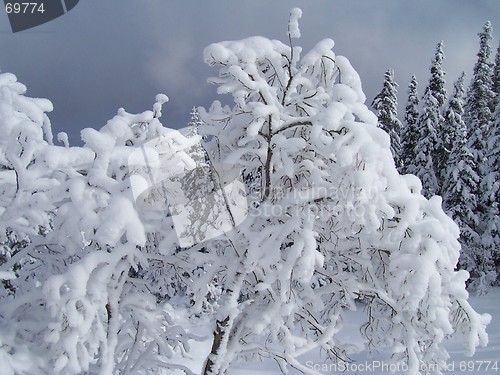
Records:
x=451, y=142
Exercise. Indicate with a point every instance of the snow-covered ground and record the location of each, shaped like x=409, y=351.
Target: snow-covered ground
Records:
x=486, y=360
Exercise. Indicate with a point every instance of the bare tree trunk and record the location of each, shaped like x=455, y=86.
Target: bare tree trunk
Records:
x=267, y=188
x=219, y=332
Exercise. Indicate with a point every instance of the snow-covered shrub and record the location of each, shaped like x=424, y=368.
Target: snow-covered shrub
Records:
x=25, y=212
x=77, y=302
x=101, y=302
x=24, y=182
x=332, y=222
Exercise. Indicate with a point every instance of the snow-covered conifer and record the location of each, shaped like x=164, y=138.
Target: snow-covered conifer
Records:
x=493, y=156
x=460, y=190
x=480, y=95
x=496, y=80
x=478, y=118
x=491, y=190
x=386, y=106
x=332, y=222
x=429, y=149
x=491, y=183
x=409, y=131
x=477, y=114
x=452, y=126
x=194, y=122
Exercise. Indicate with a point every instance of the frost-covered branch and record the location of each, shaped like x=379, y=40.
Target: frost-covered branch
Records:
x=332, y=217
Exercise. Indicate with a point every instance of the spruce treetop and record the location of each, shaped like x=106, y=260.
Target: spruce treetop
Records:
x=479, y=94
x=437, y=83
x=409, y=130
x=386, y=105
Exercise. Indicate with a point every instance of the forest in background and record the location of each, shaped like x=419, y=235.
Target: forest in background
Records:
x=451, y=142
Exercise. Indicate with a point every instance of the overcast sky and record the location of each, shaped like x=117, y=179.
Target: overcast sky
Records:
x=107, y=54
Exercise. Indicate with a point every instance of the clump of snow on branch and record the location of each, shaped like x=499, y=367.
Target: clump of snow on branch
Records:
x=293, y=24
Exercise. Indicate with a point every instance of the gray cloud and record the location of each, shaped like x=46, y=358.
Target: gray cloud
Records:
x=120, y=53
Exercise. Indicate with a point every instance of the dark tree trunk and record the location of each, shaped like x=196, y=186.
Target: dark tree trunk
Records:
x=218, y=336
x=267, y=188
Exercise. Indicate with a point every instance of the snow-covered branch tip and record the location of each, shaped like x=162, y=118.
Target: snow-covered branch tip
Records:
x=158, y=106
x=293, y=23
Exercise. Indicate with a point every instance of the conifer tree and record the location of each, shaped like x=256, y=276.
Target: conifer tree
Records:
x=477, y=107
x=491, y=183
x=478, y=118
x=194, y=123
x=496, y=80
x=429, y=151
x=460, y=183
x=491, y=187
x=386, y=105
x=451, y=129
x=409, y=131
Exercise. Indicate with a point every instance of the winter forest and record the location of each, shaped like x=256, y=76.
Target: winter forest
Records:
x=288, y=227
x=451, y=142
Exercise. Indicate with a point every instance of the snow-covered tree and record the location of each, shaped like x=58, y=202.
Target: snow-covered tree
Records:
x=79, y=304
x=386, y=106
x=480, y=95
x=496, y=80
x=331, y=225
x=429, y=150
x=409, y=130
x=24, y=181
x=477, y=115
x=26, y=211
x=331, y=222
x=492, y=184
x=453, y=122
x=125, y=329
x=478, y=118
x=194, y=123
x=491, y=190
x=460, y=192
x=164, y=278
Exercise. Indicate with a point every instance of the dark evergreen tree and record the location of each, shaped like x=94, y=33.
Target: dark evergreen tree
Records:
x=456, y=140
x=478, y=119
x=429, y=150
x=477, y=114
x=490, y=186
x=451, y=128
x=491, y=237
x=409, y=130
x=460, y=187
x=496, y=80
x=386, y=105
x=194, y=123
